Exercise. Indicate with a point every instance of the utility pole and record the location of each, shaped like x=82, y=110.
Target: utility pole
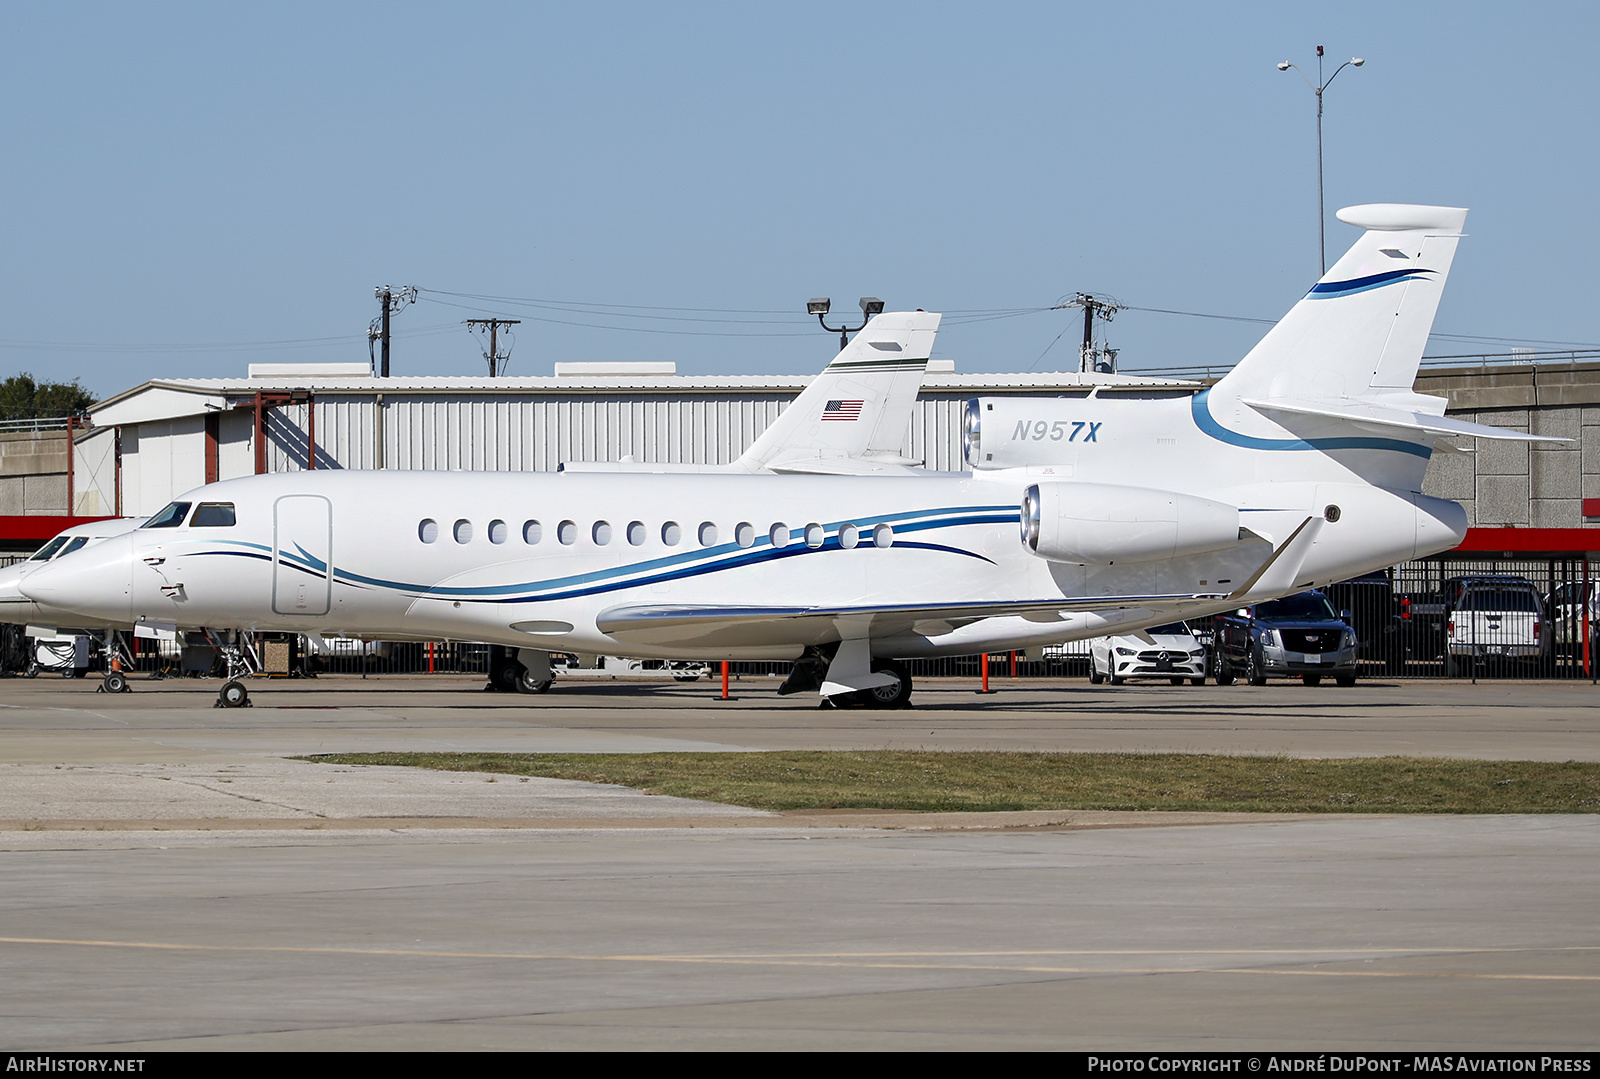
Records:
x=494, y=324
x=392, y=301
x=1088, y=354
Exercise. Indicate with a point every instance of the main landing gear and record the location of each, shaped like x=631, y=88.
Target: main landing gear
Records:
x=886, y=683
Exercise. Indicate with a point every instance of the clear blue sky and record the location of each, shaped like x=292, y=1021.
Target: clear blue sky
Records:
x=185, y=175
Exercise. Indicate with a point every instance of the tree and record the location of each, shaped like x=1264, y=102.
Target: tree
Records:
x=21, y=398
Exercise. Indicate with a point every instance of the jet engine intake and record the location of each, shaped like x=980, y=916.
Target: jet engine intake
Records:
x=1107, y=524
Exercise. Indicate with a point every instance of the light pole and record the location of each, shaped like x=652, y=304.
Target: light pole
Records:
x=1317, y=88
x=870, y=305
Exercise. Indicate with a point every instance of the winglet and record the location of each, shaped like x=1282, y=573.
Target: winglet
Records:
x=1276, y=576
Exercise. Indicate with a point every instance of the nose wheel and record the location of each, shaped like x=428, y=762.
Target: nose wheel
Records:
x=233, y=694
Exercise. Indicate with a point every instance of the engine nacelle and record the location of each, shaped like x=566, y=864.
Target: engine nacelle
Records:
x=1106, y=524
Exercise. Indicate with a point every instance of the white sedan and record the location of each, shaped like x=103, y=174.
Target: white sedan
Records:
x=1169, y=652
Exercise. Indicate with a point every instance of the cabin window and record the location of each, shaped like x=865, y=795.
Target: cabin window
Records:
x=462, y=531
x=815, y=534
x=171, y=517
x=744, y=533
x=428, y=530
x=779, y=534
x=849, y=536
x=601, y=533
x=532, y=532
x=636, y=533
x=213, y=515
x=671, y=533
x=497, y=531
x=882, y=535
x=567, y=533
x=708, y=534
x=45, y=553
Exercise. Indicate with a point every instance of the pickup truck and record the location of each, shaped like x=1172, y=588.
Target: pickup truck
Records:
x=1493, y=618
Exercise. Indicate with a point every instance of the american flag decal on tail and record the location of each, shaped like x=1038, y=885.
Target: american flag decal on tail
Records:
x=842, y=410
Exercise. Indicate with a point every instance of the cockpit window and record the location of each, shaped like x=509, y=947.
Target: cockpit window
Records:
x=213, y=515
x=75, y=544
x=171, y=517
x=45, y=553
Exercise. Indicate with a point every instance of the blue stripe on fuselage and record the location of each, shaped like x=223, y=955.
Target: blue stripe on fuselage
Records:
x=1200, y=408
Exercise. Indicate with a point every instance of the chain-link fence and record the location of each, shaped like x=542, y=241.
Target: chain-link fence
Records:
x=1440, y=618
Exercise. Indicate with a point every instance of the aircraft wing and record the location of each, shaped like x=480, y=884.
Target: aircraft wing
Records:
x=711, y=626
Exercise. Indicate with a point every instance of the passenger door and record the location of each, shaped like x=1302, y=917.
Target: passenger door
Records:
x=302, y=555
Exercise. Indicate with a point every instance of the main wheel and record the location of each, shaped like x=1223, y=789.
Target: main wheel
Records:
x=896, y=695
x=527, y=683
x=233, y=695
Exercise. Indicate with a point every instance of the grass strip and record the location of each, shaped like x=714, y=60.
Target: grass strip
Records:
x=990, y=781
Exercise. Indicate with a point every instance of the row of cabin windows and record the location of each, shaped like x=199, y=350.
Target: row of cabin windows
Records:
x=637, y=533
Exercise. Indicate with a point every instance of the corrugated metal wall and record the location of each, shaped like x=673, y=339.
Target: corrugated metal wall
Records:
x=491, y=432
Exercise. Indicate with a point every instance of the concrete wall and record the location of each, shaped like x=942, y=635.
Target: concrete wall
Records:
x=33, y=473
x=1530, y=485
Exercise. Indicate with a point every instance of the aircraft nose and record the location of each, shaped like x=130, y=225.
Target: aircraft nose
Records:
x=93, y=582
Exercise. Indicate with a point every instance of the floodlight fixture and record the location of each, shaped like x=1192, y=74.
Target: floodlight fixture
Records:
x=870, y=305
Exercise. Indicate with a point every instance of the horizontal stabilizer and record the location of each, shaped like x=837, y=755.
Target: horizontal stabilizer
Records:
x=846, y=466
x=1377, y=415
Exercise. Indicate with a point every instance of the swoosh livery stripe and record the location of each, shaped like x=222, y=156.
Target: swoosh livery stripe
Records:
x=655, y=571
x=1200, y=409
x=1327, y=290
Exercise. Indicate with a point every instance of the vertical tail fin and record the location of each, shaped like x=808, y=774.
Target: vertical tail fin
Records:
x=859, y=406
x=1359, y=333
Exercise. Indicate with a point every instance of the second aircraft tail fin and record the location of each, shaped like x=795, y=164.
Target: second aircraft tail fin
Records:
x=859, y=407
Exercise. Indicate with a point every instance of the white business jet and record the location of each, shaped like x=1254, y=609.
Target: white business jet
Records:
x=1309, y=457
x=20, y=610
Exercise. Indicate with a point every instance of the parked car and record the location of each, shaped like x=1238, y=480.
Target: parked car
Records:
x=1375, y=615
x=1298, y=635
x=1169, y=652
x=1567, y=612
x=1499, y=617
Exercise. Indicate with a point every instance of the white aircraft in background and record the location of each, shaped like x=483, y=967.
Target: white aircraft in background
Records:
x=1310, y=456
x=19, y=610
x=850, y=420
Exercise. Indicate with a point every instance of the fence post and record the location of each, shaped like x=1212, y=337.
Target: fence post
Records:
x=1588, y=669
x=724, y=679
